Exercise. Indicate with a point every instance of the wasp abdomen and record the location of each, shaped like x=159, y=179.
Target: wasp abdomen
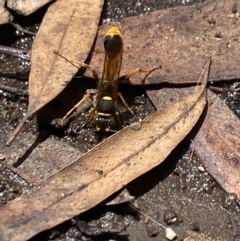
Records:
x=104, y=116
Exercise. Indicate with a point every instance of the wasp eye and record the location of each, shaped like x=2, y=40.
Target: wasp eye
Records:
x=113, y=44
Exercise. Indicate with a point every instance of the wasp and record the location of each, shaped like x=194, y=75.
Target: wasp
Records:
x=104, y=112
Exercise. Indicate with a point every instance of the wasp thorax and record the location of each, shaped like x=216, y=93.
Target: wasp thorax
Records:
x=113, y=44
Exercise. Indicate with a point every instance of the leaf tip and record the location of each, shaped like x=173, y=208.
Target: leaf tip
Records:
x=16, y=131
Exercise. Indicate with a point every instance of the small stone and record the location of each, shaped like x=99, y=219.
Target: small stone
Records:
x=146, y=220
x=169, y=217
x=196, y=226
x=234, y=8
x=218, y=35
x=170, y=234
x=2, y=157
x=2, y=187
x=211, y=20
x=53, y=234
x=151, y=231
x=136, y=125
x=201, y=169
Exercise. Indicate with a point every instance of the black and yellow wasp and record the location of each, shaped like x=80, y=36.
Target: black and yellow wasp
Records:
x=104, y=112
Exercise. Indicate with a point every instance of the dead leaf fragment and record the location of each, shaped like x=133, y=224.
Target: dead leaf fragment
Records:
x=26, y=7
x=70, y=28
x=5, y=16
x=104, y=170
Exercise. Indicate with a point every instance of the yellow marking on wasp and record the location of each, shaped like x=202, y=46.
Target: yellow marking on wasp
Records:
x=104, y=114
x=113, y=31
x=107, y=98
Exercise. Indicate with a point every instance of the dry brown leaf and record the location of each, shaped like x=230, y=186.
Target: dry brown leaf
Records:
x=218, y=145
x=217, y=141
x=26, y=7
x=104, y=170
x=69, y=27
x=180, y=39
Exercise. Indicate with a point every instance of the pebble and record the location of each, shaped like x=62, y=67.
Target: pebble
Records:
x=201, y=169
x=2, y=157
x=169, y=217
x=170, y=234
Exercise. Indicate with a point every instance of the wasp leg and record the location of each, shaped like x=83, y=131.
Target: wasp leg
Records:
x=117, y=113
x=127, y=107
x=79, y=64
x=89, y=116
x=138, y=70
x=61, y=122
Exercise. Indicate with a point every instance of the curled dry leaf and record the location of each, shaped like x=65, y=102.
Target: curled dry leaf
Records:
x=104, y=170
x=26, y=7
x=70, y=28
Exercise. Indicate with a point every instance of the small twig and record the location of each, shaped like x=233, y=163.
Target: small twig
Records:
x=222, y=90
x=146, y=216
x=216, y=89
x=21, y=29
x=170, y=234
x=13, y=90
x=21, y=53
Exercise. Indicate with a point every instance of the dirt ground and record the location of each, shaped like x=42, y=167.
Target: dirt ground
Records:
x=179, y=190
